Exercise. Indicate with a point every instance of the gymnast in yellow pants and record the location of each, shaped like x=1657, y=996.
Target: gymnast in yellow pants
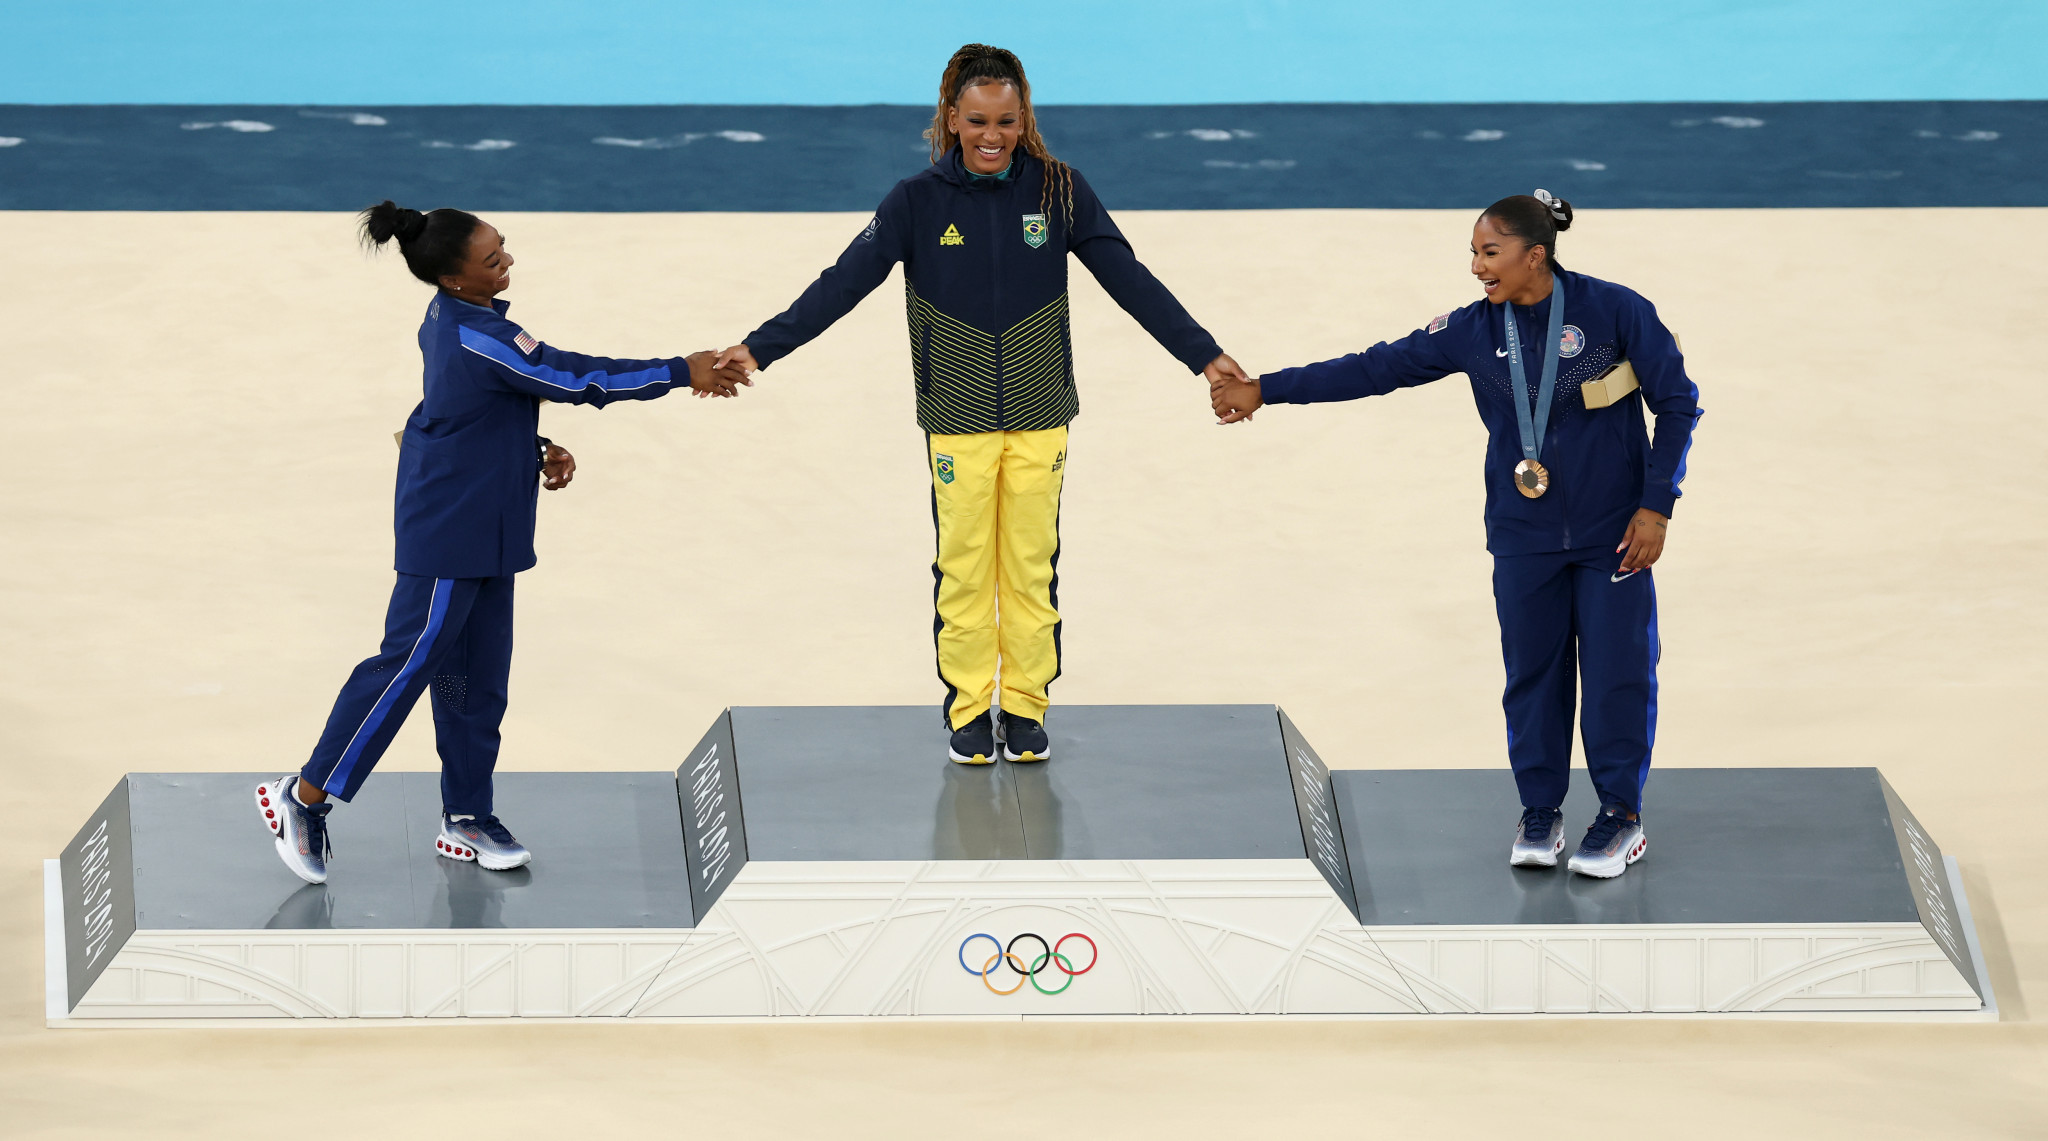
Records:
x=983, y=235
x=996, y=505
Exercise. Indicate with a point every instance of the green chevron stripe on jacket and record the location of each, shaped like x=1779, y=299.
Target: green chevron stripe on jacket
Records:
x=969, y=381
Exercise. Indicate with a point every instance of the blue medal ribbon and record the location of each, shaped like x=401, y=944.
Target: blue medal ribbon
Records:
x=1533, y=426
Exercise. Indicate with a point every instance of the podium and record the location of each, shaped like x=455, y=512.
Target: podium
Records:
x=830, y=862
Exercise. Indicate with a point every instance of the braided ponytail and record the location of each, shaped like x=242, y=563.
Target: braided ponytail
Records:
x=974, y=65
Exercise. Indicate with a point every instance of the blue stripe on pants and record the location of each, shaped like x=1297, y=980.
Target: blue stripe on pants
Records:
x=1567, y=629
x=456, y=633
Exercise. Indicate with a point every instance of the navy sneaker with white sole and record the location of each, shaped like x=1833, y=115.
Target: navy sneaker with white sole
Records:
x=1611, y=845
x=1024, y=739
x=482, y=839
x=1539, y=839
x=301, y=830
x=974, y=743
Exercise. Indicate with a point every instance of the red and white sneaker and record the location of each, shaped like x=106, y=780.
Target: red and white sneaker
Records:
x=301, y=830
x=481, y=839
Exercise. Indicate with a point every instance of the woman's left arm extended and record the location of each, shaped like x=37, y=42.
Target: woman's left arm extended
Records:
x=1674, y=401
x=1094, y=238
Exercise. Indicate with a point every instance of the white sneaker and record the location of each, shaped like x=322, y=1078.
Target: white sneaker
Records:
x=301, y=830
x=1539, y=838
x=1611, y=845
x=482, y=839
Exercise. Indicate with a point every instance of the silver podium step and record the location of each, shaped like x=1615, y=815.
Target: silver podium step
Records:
x=829, y=862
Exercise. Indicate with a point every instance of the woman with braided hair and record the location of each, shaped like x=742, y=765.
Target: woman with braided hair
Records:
x=1578, y=500
x=983, y=235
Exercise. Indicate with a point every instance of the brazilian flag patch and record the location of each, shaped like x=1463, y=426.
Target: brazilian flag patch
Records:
x=945, y=469
x=1034, y=230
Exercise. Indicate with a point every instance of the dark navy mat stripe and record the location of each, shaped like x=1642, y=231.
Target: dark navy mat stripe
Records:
x=1219, y=157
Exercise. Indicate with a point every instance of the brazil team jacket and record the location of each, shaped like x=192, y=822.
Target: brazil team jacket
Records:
x=985, y=276
x=469, y=459
x=1602, y=468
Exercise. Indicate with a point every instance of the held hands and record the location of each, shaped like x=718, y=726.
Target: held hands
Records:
x=738, y=359
x=1233, y=393
x=709, y=375
x=1643, y=541
x=558, y=468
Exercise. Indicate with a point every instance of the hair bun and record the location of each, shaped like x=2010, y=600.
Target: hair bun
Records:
x=1560, y=210
x=387, y=220
x=409, y=225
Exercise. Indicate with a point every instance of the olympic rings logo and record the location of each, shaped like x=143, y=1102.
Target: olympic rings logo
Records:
x=1049, y=956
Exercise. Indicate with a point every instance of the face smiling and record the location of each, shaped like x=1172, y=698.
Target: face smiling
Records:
x=486, y=272
x=988, y=119
x=1508, y=268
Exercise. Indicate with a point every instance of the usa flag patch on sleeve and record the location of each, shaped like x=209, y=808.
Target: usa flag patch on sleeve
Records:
x=525, y=342
x=1439, y=323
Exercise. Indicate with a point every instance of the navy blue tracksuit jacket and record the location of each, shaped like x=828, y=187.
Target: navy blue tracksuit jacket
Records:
x=985, y=276
x=1567, y=621
x=468, y=479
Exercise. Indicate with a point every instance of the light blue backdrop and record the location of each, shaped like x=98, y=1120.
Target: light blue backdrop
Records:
x=1142, y=51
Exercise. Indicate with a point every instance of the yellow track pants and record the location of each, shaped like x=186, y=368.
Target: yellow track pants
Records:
x=996, y=504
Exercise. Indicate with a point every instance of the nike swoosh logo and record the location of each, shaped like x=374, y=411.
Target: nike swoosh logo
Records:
x=1500, y=352
x=1619, y=577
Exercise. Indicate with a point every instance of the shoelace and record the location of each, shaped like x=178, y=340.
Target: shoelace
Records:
x=1537, y=822
x=489, y=826
x=317, y=840
x=1604, y=828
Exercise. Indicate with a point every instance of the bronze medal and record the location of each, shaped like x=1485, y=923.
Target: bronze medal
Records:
x=1532, y=479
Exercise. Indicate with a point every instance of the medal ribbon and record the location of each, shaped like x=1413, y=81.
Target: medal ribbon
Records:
x=1533, y=427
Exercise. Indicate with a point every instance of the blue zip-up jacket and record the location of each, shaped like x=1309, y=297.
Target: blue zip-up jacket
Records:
x=985, y=282
x=1601, y=466
x=470, y=458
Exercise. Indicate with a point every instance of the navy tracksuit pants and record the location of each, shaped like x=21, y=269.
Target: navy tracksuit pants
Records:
x=454, y=634
x=1568, y=628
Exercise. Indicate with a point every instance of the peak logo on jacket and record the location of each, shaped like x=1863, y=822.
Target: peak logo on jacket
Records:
x=952, y=236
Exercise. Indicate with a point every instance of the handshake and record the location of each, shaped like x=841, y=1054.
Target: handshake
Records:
x=721, y=373
x=1233, y=393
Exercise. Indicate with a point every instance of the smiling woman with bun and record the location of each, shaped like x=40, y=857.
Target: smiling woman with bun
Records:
x=983, y=235
x=1578, y=500
x=470, y=464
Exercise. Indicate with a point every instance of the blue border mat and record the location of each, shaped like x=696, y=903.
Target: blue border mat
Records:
x=1219, y=157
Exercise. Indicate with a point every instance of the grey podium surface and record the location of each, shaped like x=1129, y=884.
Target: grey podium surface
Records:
x=611, y=842
x=1726, y=846
x=186, y=852
x=1126, y=782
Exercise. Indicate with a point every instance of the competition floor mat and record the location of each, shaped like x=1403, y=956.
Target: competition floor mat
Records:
x=829, y=862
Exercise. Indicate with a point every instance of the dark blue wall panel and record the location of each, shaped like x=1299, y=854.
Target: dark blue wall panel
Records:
x=1216, y=157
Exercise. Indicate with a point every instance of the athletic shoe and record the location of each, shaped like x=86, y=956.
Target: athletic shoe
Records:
x=1611, y=845
x=301, y=830
x=482, y=839
x=1538, y=838
x=1024, y=739
x=974, y=743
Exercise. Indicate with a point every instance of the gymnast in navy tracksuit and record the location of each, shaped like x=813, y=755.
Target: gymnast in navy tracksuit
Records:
x=1576, y=508
x=470, y=462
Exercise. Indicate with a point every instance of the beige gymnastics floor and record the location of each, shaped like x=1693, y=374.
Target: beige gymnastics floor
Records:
x=196, y=519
